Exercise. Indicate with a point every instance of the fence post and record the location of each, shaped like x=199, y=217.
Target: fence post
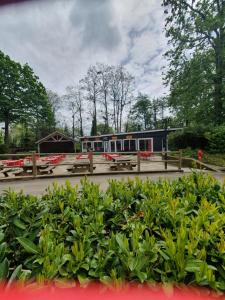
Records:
x=165, y=158
x=180, y=160
x=91, y=161
x=138, y=162
x=34, y=163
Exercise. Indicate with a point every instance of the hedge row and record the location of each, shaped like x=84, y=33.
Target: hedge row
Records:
x=136, y=231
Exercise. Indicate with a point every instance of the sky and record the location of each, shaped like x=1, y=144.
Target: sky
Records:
x=60, y=39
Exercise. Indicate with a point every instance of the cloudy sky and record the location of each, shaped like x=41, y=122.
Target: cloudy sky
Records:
x=60, y=39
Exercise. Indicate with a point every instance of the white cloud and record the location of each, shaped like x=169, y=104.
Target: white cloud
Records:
x=59, y=39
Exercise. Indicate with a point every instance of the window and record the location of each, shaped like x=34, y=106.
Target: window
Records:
x=97, y=146
x=116, y=146
x=86, y=146
x=145, y=144
x=129, y=145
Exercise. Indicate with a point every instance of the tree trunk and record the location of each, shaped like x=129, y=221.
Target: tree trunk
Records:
x=218, y=84
x=114, y=114
x=6, y=137
x=73, y=129
x=155, y=117
x=106, y=112
x=81, y=125
x=80, y=113
x=94, y=120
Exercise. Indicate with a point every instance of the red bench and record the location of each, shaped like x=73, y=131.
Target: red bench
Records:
x=82, y=156
x=111, y=156
x=145, y=154
x=13, y=163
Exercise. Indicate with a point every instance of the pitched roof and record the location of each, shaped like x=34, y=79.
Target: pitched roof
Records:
x=55, y=137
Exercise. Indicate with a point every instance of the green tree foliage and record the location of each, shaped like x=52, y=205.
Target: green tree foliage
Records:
x=147, y=113
x=103, y=129
x=196, y=32
x=141, y=112
x=191, y=91
x=216, y=139
x=191, y=137
x=23, y=98
x=56, y=103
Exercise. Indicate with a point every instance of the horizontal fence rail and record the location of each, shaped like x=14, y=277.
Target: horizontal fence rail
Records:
x=34, y=164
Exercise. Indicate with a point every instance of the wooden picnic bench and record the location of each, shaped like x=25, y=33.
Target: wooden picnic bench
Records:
x=79, y=166
x=121, y=163
x=48, y=170
x=5, y=171
x=27, y=169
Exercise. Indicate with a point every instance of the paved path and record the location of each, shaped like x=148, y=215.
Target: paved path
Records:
x=38, y=186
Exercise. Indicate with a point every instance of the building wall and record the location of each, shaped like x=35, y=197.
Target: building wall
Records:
x=57, y=147
x=156, y=139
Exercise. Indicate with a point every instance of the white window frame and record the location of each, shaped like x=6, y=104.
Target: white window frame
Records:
x=85, y=142
x=129, y=144
x=93, y=144
x=106, y=146
x=152, y=143
x=110, y=148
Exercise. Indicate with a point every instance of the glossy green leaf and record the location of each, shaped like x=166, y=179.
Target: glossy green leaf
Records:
x=18, y=223
x=4, y=269
x=28, y=245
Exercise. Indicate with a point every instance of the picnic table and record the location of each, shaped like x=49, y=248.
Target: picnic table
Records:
x=27, y=169
x=55, y=159
x=12, y=162
x=111, y=156
x=120, y=163
x=82, y=165
x=145, y=154
x=5, y=171
x=82, y=156
x=7, y=166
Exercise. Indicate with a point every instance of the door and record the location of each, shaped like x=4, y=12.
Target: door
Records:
x=129, y=145
x=145, y=145
x=106, y=146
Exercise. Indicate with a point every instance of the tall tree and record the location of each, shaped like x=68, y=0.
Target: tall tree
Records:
x=55, y=101
x=121, y=88
x=142, y=112
x=191, y=91
x=198, y=26
x=104, y=78
x=90, y=84
x=74, y=102
x=22, y=96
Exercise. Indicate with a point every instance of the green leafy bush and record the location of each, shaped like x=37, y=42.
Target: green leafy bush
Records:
x=188, y=138
x=216, y=140
x=138, y=231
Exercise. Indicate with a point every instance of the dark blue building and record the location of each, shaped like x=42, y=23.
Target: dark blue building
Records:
x=149, y=140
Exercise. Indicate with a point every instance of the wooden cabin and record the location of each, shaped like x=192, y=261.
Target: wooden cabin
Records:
x=56, y=142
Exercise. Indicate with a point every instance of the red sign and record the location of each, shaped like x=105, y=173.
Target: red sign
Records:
x=200, y=155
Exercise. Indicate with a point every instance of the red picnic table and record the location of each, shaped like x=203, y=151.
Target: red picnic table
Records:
x=82, y=156
x=111, y=156
x=12, y=162
x=145, y=154
x=53, y=159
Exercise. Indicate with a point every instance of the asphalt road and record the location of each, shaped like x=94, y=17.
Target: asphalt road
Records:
x=39, y=186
